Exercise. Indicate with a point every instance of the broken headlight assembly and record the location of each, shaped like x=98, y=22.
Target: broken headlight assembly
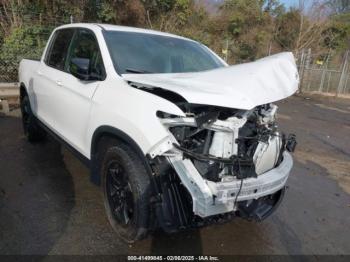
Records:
x=226, y=143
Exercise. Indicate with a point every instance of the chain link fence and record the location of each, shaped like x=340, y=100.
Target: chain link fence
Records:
x=36, y=29
x=322, y=76
x=325, y=81
x=8, y=71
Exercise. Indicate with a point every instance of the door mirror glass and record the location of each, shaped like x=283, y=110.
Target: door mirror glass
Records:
x=79, y=67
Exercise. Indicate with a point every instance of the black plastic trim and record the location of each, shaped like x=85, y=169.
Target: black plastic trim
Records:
x=100, y=26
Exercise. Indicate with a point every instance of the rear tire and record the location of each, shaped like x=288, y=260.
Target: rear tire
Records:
x=127, y=190
x=31, y=128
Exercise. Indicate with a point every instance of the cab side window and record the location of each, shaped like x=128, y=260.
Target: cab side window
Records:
x=85, y=46
x=58, y=49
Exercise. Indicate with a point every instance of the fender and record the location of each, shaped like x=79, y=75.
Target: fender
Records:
x=113, y=133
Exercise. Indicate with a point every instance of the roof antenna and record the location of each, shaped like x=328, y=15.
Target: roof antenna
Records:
x=71, y=19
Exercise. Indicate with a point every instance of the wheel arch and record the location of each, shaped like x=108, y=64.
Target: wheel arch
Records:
x=118, y=135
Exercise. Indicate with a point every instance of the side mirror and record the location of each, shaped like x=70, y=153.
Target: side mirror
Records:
x=79, y=67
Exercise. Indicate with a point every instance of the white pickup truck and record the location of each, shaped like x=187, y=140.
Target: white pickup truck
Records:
x=174, y=136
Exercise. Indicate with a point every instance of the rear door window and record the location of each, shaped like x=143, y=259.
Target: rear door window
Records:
x=58, y=50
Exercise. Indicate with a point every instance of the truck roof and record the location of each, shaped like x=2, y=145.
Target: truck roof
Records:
x=110, y=27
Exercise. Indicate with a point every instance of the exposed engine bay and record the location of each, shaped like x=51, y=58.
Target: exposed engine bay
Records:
x=226, y=161
x=226, y=143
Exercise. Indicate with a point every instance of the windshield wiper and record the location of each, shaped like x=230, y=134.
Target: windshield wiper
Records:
x=136, y=71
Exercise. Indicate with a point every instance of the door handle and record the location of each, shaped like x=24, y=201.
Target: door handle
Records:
x=40, y=73
x=59, y=82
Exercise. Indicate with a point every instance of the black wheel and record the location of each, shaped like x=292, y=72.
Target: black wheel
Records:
x=126, y=189
x=31, y=128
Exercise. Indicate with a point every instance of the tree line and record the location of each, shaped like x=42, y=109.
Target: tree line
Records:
x=240, y=30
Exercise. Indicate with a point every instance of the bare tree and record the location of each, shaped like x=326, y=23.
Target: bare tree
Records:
x=339, y=6
x=313, y=21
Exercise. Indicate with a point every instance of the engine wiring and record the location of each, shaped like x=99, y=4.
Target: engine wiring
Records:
x=195, y=144
x=201, y=157
x=240, y=187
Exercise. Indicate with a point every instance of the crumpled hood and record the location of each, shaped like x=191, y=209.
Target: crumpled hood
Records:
x=242, y=86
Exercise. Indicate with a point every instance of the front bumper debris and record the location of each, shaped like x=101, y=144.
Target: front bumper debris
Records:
x=210, y=198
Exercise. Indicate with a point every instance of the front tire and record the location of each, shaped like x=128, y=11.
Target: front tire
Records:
x=126, y=190
x=31, y=128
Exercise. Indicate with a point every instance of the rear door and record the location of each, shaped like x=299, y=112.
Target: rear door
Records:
x=47, y=82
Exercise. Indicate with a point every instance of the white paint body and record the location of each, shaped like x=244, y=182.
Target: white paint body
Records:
x=75, y=109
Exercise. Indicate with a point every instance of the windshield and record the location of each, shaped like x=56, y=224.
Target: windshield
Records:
x=148, y=53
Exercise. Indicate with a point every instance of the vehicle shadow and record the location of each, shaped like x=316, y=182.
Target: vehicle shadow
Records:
x=181, y=243
x=37, y=192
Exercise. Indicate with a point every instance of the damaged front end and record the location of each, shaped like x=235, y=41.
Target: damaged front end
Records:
x=224, y=156
x=218, y=163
